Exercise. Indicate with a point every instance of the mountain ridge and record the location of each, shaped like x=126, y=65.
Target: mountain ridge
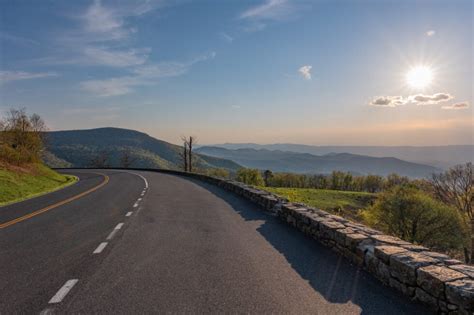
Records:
x=77, y=148
x=287, y=161
x=442, y=156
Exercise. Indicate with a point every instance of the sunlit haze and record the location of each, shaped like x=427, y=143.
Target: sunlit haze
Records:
x=310, y=72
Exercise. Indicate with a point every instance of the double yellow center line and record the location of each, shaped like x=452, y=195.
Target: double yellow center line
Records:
x=35, y=213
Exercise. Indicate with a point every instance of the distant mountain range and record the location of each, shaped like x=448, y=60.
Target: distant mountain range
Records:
x=77, y=148
x=286, y=161
x=437, y=156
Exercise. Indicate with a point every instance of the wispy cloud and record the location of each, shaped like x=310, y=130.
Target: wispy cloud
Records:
x=436, y=98
x=269, y=10
x=4, y=36
x=388, y=101
x=305, y=71
x=115, y=58
x=102, y=36
x=140, y=76
x=7, y=76
x=226, y=37
x=257, y=17
x=461, y=105
x=431, y=33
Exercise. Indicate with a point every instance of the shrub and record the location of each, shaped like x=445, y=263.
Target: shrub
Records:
x=218, y=172
x=250, y=177
x=412, y=215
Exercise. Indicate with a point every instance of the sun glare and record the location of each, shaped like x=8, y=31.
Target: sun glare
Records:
x=419, y=77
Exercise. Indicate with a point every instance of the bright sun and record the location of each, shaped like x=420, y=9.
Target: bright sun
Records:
x=419, y=77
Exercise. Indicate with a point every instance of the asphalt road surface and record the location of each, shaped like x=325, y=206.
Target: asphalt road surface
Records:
x=144, y=242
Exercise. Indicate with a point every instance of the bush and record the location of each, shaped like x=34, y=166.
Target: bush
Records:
x=217, y=172
x=250, y=177
x=414, y=216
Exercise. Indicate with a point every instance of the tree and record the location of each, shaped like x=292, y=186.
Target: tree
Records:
x=192, y=141
x=101, y=160
x=126, y=159
x=414, y=216
x=455, y=187
x=21, y=137
x=373, y=183
x=394, y=179
x=187, y=154
x=184, y=155
x=250, y=176
x=267, y=175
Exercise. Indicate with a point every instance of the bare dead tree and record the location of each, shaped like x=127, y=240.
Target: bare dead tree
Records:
x=184, y=154
x=455, y=187
x=126, y=159
x=192, y=141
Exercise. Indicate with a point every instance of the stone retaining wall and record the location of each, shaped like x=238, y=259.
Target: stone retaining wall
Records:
x=444, y=284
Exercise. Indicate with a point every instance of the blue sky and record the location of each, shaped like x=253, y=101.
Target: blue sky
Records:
x=266, y=71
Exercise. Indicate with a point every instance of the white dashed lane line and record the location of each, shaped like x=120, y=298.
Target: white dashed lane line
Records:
x=129, y=214
x=119, y=226
x=135, y=205
x=100, y=248
x=61, y=294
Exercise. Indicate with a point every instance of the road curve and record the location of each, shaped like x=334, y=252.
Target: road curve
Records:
x=180, y=246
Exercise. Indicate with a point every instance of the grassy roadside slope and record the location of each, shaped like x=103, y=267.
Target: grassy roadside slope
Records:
x=345, y=203
x=19, y=183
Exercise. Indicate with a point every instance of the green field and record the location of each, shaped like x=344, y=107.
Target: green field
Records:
x=17, y=184
x=344, y=203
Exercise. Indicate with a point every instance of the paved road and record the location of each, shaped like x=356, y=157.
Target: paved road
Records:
x=185, y=247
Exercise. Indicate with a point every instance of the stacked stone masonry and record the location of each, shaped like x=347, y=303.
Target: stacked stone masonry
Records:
x=444, y=284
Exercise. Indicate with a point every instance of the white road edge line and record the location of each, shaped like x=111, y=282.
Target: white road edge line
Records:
x=119, y=226
x=144, y=179
x=111, y=235
x=129, y=214
x=100, y=248
x=61, y=294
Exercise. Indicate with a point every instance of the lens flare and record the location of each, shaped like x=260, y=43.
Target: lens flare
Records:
x=419, y=77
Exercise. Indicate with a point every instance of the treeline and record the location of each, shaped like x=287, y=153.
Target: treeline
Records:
x=21, y=137
x=337, y=180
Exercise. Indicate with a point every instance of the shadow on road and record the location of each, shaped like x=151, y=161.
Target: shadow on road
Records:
x=329, y=273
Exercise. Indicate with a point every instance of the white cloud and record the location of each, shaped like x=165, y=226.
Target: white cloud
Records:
x=305, y=71
x=140, y=76
x=110, y=23
x=115, y=58
x=271, y=9
x=4, y=36
x=256, y=17
x=7, y=76
x=461, y=105
x=103, y=36
x=388, y=101
x=436, y=98
x=226, y=37
x=110, y=87
x=235, y=106
x=431, y=33
x=418, y=99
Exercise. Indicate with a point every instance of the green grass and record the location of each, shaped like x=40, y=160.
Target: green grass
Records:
x=18, y=184
x=344, y=203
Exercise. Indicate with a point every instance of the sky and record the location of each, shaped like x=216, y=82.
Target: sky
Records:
x=322, y=72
